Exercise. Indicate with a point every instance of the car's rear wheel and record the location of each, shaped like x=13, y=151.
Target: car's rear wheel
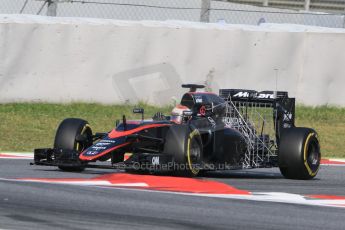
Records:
x=184, y=143
x=299, y=153
x=66, y=137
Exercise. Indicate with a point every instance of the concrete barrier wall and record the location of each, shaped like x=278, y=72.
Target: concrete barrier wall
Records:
x=64, y=60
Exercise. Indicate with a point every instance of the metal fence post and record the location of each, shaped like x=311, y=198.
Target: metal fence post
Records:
x=52, y=8
x=205, y=11
x=306, y=5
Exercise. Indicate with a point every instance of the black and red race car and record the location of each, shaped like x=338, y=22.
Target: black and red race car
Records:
x=236, y=129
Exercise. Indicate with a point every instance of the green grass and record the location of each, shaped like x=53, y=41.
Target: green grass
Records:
x=329, y=122
x=24, y=127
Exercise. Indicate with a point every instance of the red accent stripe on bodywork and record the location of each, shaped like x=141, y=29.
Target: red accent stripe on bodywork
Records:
x=116, y=134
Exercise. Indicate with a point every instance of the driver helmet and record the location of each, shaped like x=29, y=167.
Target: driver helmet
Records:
x=177, y=113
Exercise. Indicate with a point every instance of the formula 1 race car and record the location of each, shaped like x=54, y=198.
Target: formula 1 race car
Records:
x=237, y=129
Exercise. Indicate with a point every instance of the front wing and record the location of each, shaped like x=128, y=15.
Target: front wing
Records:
x=70, y=158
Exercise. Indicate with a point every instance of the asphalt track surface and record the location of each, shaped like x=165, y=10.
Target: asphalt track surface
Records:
x=32, y=205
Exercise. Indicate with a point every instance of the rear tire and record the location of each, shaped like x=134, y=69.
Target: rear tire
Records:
x=184, y=143
x=299, y=153
x=66, y=135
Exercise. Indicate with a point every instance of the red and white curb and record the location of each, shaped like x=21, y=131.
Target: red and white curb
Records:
x=187, y=186
x=14, y=155
x=333, y=162
x=289, y=198
x=192, y=187
x=149, y=182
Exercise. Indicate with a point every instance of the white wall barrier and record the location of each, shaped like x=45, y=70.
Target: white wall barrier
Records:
x=107, y=61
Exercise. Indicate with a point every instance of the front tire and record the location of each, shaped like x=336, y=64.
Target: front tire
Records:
x=184, y=143
x=299, y=153
x=66, y=135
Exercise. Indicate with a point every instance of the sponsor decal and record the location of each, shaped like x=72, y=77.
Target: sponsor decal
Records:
x=287, y=117
x=198, y=99
x=241, y=94
x=98, y=148
x=213, y=123
x=259, y=96
x=265, y=96
x=155, y=160
x=231, y=122
x=107, y=141
x=91, y=153
x=102, y=144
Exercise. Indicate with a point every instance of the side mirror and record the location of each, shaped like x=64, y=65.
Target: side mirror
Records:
x=139, y=110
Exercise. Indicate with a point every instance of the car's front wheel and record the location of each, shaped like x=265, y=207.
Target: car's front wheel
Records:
x=67, y=135
x=184, y=143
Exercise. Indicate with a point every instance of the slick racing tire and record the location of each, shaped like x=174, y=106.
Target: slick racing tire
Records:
x=66, y=135
x=299, y=153
x=184, y=143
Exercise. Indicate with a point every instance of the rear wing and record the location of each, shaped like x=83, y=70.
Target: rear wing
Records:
x=254, y=96
x=283, y=106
